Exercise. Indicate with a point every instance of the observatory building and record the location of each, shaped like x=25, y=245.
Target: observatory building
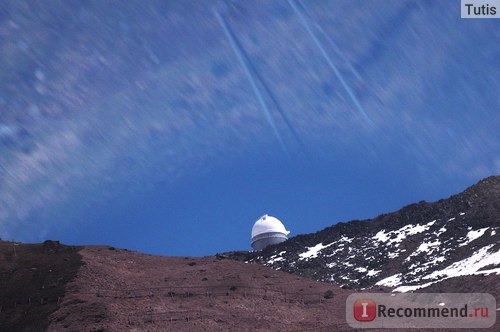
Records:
x=268, y=230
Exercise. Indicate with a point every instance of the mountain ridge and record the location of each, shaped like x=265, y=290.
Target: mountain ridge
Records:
x=412, y=248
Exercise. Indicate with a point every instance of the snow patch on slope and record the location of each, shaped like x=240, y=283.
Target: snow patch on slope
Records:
x=440, y=231
x=428, y=246
x=391, y=281
x=276, y=258
x=399, y=235
x=312, y=252
x=372, y=273
x=470, y=265
x=404, y=289
x=472, y=235
x=369, y=273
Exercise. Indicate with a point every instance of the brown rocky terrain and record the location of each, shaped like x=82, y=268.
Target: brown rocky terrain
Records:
x=54, y=287
x=122, y=290
x=32, y=282
x=119, y=290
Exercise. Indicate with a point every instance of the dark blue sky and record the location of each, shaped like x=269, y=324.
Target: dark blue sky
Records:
x=160, y=128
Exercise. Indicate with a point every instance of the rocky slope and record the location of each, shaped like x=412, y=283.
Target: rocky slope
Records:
x=33, y=279
x=57, y=288
x=418, y=246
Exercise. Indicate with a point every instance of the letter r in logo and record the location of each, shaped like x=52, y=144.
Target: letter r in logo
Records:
x=364, y=310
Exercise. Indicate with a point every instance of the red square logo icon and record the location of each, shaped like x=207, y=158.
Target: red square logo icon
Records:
x=364, y=310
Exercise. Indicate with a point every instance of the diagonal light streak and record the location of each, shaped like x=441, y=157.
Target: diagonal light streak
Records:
x=241, y=57
x=329, y=39
x=331, y=64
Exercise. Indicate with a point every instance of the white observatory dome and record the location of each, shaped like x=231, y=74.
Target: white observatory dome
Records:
x=266, y=231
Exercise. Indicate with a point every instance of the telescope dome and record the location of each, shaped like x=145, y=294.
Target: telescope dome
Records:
x=266, y=231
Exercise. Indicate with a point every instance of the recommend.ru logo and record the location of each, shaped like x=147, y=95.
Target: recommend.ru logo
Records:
x=364, y=310
x=421, y=310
